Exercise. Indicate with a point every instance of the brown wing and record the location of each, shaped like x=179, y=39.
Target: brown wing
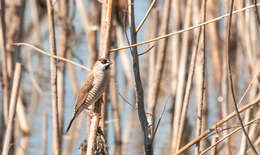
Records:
x=82, y=95
x=84, y=90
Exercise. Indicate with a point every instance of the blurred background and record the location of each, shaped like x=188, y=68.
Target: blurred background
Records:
x=184, y=76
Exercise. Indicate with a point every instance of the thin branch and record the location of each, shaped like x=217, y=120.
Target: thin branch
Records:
x=231, y=133
x=32, y=76
x=51, y=55
x=146, y=15
x=184, y=30
x=126, y=101
x=248, y=87
x=230, y=76
x=219, y=123
x=159, y=121
x=148, y=50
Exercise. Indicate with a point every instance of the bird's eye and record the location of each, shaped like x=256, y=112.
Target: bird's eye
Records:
x=104, y=61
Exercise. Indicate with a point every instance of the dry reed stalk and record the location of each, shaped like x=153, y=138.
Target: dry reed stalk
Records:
x=201, y=84
x=215, y=40
x=115, y=107
x=4, y=72
x=12, y=109
x=53, y=68
x=188, y=89
x=257, y=13
x=37, y=91
x=224, y=101
x=124, y=58
x=175, y=46
x=93, y=35
x=44, y=133
x=106, y=28
x=213, y=142
x=104, y=113
x=185, y=29
x=154, y=26
x=243, y=144
x=14, y=16
x=159, y=66
x=229, y=134
x=62, y=52
x=181, y=78
x=230, y=79
x=93, y=50
x=23, y=146
x=217, y=125
x=104, y=48
x=21, y=115
x=249, y=115
x=246, y=39
x=90, y=30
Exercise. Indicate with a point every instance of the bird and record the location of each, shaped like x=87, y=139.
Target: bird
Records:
x=92, y=88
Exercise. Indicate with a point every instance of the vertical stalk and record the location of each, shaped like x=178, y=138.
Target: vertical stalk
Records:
x=63, y=49
x=115, y=107
x=104, y=48
x=44, y=133
x=12, y=109
x=53, y=62
x=4, y=61
x=201, y=108
x=138, y=83
x=181, y=78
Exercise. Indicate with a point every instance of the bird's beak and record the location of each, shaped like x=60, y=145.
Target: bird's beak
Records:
x=109, y=62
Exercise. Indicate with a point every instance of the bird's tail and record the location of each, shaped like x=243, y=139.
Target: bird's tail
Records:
x=70, y=124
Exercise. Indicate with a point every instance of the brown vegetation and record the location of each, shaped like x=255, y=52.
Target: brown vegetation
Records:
x=185, y=77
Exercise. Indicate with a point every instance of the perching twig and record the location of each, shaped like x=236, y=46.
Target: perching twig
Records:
x=184, y=30
x=104, y=48
x=51, y=55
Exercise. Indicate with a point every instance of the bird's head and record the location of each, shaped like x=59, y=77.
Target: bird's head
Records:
x=102, y=64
